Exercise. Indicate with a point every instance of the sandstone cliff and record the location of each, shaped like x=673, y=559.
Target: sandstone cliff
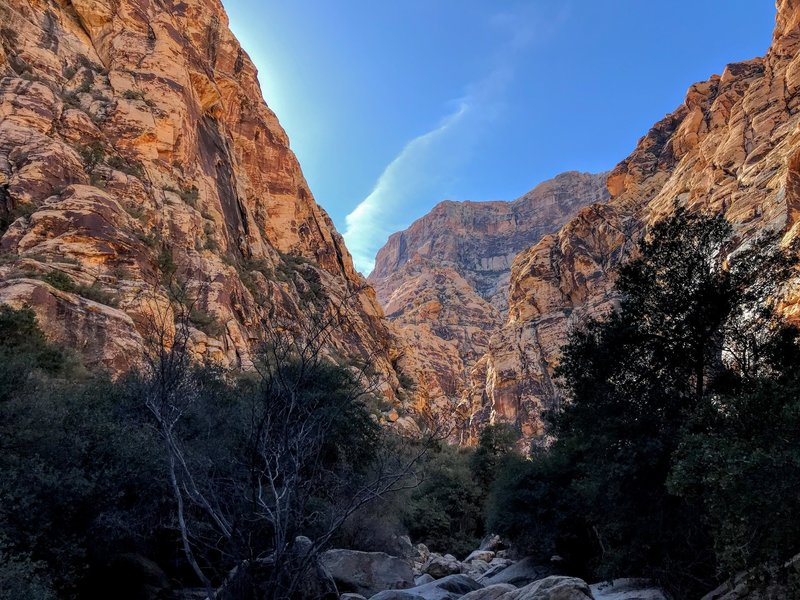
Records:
x=135, y=146
x=444, y=281
x=732, y=148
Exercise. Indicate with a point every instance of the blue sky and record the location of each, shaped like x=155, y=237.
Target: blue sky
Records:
x=393, y=106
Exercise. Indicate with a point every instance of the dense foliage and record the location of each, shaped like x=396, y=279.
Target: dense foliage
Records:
x=104, y=485
x=676, y=453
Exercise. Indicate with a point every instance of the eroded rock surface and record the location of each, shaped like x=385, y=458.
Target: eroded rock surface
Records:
x=444, y=282
x=732, y=148
x=136, y=148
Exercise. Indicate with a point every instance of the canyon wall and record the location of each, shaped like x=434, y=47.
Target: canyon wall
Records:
x=732, y=148
x=488, y=337
x=444, y=281
x=137, y=154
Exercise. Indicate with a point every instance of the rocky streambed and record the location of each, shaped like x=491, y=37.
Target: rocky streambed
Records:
x=488, y=573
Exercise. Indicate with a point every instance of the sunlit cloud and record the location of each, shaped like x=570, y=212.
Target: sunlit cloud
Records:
x=426, y=166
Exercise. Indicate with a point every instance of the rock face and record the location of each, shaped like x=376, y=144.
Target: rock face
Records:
x=444, y=281
x=451, y=587
x=732, y=148
x=519, y=574
x=367, y=573
x=627, y=589
x=135, y=148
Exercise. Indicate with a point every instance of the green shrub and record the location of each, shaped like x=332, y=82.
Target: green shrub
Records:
x=206, y=322
x=446, y=511
x=96, y=293
x=60, y=281
x=92, y=154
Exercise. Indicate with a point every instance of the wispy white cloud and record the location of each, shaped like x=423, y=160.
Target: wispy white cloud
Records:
x=425, y=166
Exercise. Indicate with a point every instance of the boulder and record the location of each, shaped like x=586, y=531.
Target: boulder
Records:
x=397, y=595
x=495, y=567
x=423, y=579
x=421, y=553
x=519, y=574
x=401, y=546
x=493, y=592
x=552, y=588
x=451, y=587
x=484, y=555
x=501, y=561
x=475, y=568
x=367, y=573
x=627, y=589
x=491, y=542
x=352, y=597
x=438, y=566
x=251, y=581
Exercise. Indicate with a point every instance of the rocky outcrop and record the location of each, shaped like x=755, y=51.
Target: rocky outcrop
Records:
x=367, y=573
x=732, y=148
x=444, y=281
x=627, y=589
x=137, y=154
x=519, y=574
x=451, y=587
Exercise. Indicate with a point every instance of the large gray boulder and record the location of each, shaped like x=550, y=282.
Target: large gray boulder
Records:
x=627, y=589
x=438, y=566
x=484, y=555
x=251, y=581
x=552, y=588
x=367, y=573
x=492, y=592
x=451, y=587
x=402, y=547
x=518, y=574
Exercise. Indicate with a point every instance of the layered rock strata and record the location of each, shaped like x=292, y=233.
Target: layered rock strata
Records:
x=136, y=155
x=732, y=148
x=444, y=281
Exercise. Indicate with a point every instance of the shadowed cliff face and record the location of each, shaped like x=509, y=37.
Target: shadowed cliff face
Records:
x=133, y=135
x=444, y=281
x=732, y=148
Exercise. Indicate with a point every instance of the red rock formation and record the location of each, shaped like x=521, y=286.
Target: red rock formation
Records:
x=444, y=280
x=732, y=148
x=134, y=141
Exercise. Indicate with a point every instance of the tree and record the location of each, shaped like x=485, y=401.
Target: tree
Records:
x=303, y=452
x=692, y=322
x=76, y=468
x=446, y=511
x=496, y=442
x=740, y=458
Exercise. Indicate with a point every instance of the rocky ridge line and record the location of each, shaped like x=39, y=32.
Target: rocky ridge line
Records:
x=444, y=282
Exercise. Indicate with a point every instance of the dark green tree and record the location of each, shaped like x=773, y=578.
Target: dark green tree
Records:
x=495, y=444
x=740, y=457
x=691, y=323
